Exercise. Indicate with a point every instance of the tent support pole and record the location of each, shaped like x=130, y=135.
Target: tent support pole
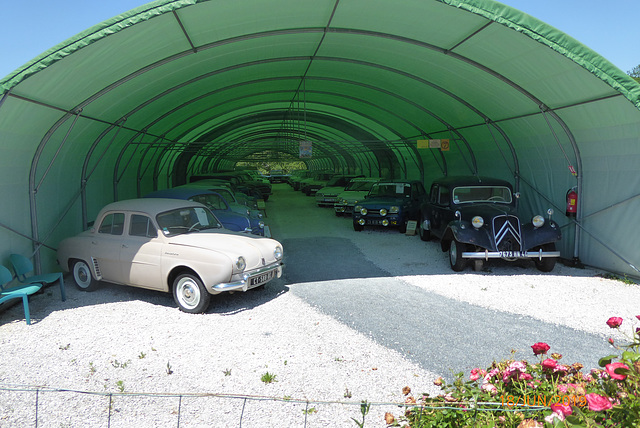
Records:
x=544, y=109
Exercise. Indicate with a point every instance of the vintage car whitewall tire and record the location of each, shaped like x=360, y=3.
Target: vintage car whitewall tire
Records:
x=455, y=256
x=190, y=294
x=82, y=276
x=357, y=227
x=547, y=263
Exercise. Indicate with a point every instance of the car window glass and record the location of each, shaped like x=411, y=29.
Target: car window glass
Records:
x=500, y=194
x=443, y=198
x=141, y=225
x=112, y=224
x=214, y=202
x=186, y=220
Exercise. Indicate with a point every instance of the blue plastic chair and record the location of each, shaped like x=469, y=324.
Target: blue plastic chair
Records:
x=22, y=266
x=17, y=292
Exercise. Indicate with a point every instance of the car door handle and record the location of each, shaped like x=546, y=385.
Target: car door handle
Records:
x=125, y=246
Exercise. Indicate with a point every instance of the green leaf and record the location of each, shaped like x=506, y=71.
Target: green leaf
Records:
x=606, y=360
x=573, y=420
x=630, y=356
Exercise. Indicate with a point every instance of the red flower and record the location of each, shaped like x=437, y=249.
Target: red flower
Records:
x=614, y=322
x=597, y=403
x=549, y=364
x=610, y=368
x=562, y=409
x=540, y=348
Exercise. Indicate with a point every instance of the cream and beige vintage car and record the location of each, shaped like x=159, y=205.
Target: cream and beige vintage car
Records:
x=169, y=245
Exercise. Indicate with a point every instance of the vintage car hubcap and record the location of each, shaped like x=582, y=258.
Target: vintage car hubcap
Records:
x=453, y=253
x=81, y=273
x=188, y=292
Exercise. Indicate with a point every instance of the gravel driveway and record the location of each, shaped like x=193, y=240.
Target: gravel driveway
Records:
x=357, y=316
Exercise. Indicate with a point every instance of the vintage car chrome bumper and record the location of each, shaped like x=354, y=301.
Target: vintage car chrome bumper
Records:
x=252, y=279
x=486, y=255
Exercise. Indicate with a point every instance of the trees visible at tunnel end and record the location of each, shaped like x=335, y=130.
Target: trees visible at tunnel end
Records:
x=635, y=73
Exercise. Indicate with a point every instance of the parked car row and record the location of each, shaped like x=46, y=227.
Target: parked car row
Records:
x=474, y=218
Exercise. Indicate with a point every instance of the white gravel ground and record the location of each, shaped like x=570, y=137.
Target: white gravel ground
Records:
x=121, y=339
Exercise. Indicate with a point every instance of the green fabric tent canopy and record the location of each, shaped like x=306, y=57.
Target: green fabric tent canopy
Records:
x=175, y=88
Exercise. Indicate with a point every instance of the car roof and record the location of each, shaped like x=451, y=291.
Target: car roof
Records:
x=182, y=192
x=150, y=206
x=471, y=180
x=401, y=180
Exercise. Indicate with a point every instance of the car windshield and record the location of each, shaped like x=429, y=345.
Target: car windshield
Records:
x=360, y=185
x=463, y=195
x=185, y=220
x=391, y=189
x=225, y=194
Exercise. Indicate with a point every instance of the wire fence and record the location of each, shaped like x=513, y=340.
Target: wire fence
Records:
x=41, y=406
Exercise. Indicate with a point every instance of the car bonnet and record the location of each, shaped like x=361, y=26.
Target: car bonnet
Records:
x=251, y=247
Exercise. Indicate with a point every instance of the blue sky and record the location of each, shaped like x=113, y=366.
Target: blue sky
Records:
x=30, y=27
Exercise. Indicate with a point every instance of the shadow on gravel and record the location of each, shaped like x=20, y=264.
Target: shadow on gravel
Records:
x=48, y=301
x=326, y=259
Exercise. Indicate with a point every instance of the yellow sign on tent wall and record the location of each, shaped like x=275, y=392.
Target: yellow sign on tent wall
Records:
x=442, y=144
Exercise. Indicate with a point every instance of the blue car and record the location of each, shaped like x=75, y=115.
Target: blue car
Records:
x=255, y=216
x=229, y=219
x=390, y=203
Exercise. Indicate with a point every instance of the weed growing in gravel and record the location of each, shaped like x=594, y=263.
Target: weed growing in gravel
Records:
x=92, y=368
x=364, y=410
x=141, y=355
x=169, y=370
x=120, y=385
x=347, y=393
x=227, y=372
x=65, y=347
x=118, y=365
x=625, y=279
x=310, y=411
x=268, y=378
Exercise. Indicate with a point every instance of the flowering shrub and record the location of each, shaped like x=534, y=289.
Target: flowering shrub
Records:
x=542, y=394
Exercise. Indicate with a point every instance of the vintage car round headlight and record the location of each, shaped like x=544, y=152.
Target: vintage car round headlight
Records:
x=363, y=211
x=394, y=210
x=277, y=253
x=383, y=212
x=361, y=222
x=385, y=222
x=477, y=222
x=241, y=263
x=538, y=221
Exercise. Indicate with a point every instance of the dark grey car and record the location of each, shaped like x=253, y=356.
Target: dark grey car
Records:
x=476, y=219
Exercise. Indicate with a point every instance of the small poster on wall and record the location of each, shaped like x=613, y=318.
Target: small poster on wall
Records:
x=305, y=149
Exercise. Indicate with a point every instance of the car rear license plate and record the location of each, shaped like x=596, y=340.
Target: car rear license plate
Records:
x=512, y=254
x=262, y=278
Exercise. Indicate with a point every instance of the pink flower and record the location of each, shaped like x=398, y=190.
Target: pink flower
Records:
x=549, y=364
x=490, y=388
x=562, y=388
x=638, y=316
x=614, y=322
x=563, y=410
x=598, y=403
x=610, y=368
x=560, y=369
x=540, y=348
x=477, y=374
x=525, y=376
